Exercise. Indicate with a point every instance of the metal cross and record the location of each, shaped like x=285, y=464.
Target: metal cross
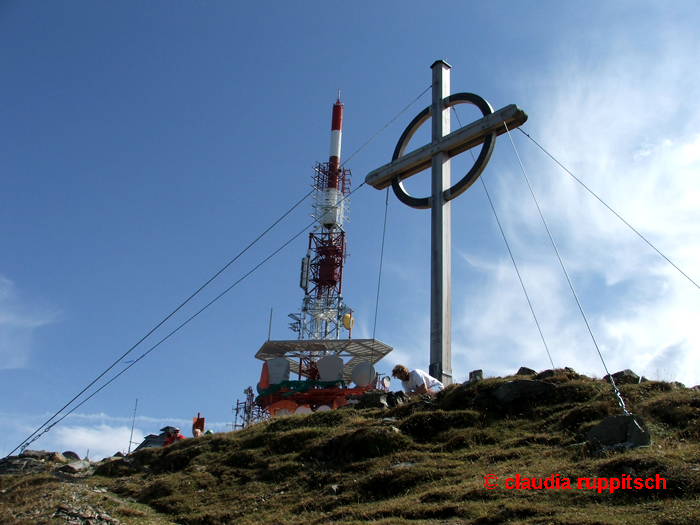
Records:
x=436, y=155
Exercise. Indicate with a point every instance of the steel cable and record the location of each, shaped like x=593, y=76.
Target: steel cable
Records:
x=609, y=208
x=620, y=401
x=46, y=426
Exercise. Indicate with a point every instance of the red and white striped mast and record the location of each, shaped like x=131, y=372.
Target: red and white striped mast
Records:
x=322, y=309
x=336, y=139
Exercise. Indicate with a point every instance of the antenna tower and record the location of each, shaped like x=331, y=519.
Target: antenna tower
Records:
x=322, y=309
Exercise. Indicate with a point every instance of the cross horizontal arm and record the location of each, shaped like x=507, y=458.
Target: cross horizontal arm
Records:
x=453, y=144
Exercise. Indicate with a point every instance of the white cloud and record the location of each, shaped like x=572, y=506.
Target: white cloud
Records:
x=101, y=441
x=18, y=321
x=690, y=153
x=626, y=129
x=101, y=434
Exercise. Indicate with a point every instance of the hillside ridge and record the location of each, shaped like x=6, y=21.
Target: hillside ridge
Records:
x=481, y=452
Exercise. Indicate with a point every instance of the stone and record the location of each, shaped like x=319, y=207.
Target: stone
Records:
x=21, y=465
x=476, y=375
x=395, y=399
x=58, y=457
x=525, y=371
x=522, y=389
x=84, y=514
x=696, y=388
x=34, y=454
x=546, y=374
x=75, y=467
x=72, y=456
x=373, y=399
x=42, y=455
x=628, y=430
x=624, y=377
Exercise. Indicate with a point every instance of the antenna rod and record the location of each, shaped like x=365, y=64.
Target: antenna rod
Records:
x=132, y=425
x=269, y=332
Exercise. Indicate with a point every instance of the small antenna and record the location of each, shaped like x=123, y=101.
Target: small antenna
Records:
x=132, y=426
x=269, y=332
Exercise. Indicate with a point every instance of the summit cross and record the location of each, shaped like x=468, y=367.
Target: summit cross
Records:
x=436, y=156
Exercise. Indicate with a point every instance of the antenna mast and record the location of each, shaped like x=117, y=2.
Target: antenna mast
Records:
x=132, y=425
x=322, y=310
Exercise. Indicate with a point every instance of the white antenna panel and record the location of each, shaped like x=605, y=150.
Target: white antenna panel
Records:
x=330, y=368
x=363, y=374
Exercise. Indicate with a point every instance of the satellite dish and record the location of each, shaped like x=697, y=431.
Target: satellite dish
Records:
x=363, y=374
x=386, y=381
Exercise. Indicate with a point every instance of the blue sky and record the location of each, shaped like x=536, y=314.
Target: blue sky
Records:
x=144, y=144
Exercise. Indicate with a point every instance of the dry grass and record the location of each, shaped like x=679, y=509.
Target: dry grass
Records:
x=416, y=464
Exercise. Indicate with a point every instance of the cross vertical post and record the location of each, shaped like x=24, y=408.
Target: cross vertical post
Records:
x=440, y=235
x=444, y=145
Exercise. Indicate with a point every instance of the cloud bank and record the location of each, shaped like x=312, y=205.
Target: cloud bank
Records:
x=626, y=129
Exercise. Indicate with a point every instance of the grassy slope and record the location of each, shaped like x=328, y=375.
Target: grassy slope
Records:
x=423, y=466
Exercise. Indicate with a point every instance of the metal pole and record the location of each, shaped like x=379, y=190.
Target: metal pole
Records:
x=132, y=425
x=440, y=233
x=269, y=332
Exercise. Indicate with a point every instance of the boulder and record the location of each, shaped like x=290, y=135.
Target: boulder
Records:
x=395, y=399
x=525, y=371
x=42, y=455
x=21, y=465
x=562, y=372
x=545, y=374
x=71, y=456
x=373, y=399
x=56, y=457
x=34, y=454
x=75, y=467
x=476, y=375
x=626, y=430
x=522, y=389
x=624, y=377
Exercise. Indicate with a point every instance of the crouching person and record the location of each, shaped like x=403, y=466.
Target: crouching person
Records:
x=417, y=382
